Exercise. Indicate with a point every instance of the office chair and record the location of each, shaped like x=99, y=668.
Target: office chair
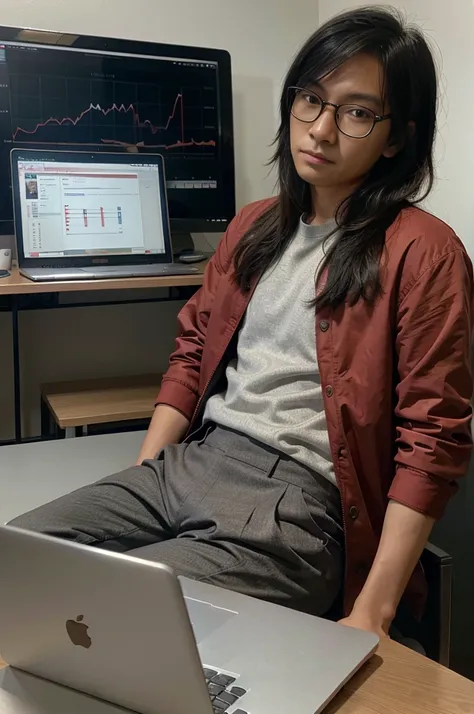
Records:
x=433, y=633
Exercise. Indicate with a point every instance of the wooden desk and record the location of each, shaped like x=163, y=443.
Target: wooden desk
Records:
x=16, y=284
x=399, y=681
x=16, y=287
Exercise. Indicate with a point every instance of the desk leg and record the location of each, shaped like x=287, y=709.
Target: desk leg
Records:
x=16, y=368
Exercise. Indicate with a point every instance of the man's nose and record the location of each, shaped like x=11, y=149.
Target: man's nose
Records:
x=325, y=127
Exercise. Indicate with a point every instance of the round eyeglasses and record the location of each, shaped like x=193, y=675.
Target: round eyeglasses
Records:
x=353, y=120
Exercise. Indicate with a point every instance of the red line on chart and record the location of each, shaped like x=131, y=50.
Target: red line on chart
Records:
x=182, y=121
x=123, y=108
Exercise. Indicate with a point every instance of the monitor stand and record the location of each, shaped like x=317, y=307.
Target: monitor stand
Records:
x=182, y=243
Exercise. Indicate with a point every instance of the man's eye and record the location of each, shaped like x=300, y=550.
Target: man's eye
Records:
x=311, y=99
x=358, y=113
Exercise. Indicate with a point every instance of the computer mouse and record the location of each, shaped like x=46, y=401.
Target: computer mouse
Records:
x=191, y=258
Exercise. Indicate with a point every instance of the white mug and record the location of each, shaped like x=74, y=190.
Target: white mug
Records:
x=5, y=259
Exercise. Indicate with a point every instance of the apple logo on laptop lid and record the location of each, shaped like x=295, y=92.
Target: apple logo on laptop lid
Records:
x=77, y=631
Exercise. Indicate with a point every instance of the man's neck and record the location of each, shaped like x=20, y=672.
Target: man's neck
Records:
x=326, y=201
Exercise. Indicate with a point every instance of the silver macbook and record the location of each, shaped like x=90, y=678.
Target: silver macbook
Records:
x=89, y=216
x=87, y=631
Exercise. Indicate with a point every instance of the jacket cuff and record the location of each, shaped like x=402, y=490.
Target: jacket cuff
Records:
x=179, y=396
x=422, y=492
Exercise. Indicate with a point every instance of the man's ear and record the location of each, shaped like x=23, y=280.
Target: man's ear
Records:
x=393, y=148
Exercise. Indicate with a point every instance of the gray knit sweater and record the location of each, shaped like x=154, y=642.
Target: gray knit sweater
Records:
x=274, y=390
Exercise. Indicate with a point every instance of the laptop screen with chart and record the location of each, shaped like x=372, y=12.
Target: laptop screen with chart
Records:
x=90, y=209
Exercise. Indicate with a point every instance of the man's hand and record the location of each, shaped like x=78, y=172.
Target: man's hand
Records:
x=168, y=426
x=404, y=535
x=363, y=621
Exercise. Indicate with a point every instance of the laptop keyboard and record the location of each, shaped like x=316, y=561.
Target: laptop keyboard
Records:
x=223, y=691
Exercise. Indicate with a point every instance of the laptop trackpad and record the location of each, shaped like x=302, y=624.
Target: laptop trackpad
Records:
x=206, y=618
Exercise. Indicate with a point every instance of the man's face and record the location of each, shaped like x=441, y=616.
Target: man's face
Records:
x=342, y=161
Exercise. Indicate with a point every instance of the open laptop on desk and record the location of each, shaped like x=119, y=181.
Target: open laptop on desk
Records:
x=119, y=629
x=91, y=216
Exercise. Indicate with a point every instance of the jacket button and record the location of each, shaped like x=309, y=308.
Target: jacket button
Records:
x=329, y=391
x=354, y=513
x=324, y=325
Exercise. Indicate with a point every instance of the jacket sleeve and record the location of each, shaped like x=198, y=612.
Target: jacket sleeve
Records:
x=434, y=390
x=180, y=385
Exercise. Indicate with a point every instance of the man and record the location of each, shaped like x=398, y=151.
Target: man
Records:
x=323, y=368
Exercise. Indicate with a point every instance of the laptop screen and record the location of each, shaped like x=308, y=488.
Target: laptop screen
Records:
x=74, y=209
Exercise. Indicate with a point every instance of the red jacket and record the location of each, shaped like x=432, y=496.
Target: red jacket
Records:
x=396, y=377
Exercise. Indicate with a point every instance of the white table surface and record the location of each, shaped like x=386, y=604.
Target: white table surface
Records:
x=33, y=474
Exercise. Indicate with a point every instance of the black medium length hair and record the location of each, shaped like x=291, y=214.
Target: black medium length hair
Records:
x=410, y=87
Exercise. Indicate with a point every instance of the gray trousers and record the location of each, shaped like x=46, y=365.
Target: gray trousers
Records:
x=220, y=508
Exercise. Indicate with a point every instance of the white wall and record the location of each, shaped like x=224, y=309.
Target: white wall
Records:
x=450, y=28
x=262, y=36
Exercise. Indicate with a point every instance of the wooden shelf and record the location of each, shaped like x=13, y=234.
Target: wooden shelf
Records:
x=100, y=401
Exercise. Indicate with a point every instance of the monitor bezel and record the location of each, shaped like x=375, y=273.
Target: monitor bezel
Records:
x=158, y=49
x=25, y=261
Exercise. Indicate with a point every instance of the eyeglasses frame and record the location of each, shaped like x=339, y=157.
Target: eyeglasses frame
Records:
x=377, y=117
